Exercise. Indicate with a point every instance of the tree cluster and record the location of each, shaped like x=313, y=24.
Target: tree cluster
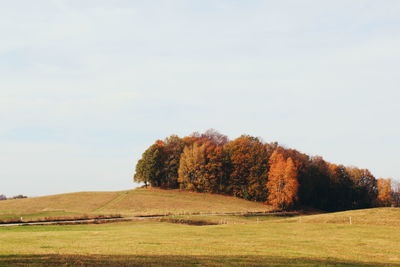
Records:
x=254, y=170
x=3, y=197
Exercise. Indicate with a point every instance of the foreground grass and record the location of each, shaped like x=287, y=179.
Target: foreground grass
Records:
x=276, y=243
x=125, y=203
x=160, y=260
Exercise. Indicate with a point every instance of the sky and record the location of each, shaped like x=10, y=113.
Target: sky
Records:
x=87, y=86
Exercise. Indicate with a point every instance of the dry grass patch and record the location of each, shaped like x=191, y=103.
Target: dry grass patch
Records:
x=72, y=204
x=126, y=203
x=158, y=201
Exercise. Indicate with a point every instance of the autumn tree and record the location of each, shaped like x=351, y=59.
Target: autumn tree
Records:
x=314, y=184
x=365, y=187
x=210, y=135
x=191, y=167
x=172, y=150
x=282, y=182
x=202, y=168
x=215, y=137
x=308, y=182
x=214, y=171
x=149, y=169
x=248, y=168
x=384, y=192
x=340, y=188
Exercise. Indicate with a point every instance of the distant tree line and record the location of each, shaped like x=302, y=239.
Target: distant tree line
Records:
x=3, y=197
x=254, y=170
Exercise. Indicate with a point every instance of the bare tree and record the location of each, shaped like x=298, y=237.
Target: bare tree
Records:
x=396, y=193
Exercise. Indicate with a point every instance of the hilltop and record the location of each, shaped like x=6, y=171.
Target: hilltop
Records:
x=139, y=201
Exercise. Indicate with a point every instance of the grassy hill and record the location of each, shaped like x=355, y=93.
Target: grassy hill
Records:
x=126, y=203
x=375, y=216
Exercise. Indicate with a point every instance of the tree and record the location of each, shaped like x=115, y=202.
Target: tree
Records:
x=215, y=137
x=396, y=194
x=215, y=168
x=191, y=167
x=384, y=192
x=173, y=149
x=202, y=168
x=282, y=182
x=210, y=135
x=3, y=197
x=365, y=188
x=149, y=169
x=308, y=184
x=248, y=168
x=314, y=184
x=341, y=186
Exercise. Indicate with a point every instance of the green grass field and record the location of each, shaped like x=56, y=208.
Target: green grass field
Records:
x=373, y=238
x=278, y=243
x=377, y=216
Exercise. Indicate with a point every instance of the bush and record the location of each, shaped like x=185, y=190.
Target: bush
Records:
x=19, y=196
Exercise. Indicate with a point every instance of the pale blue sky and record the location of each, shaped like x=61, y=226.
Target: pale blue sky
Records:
x=86, y=86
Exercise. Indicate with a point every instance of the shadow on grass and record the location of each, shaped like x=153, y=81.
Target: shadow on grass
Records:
x=162, y=260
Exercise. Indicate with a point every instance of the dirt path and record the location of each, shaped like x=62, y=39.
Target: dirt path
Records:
x=76, y=221
x=112, y=201
x=144, y=217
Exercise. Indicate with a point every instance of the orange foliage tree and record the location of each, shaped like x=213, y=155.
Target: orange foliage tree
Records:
x=282, y=182
x=214, y=171
x=202, y=168
x=248, y=158
x=384, y=192
x=191, y=166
